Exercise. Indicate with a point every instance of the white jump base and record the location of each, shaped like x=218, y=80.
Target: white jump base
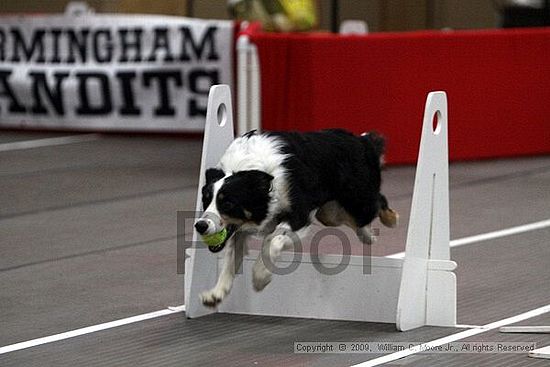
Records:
x=418, y=290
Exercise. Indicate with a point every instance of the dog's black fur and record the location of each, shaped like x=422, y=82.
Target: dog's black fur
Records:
x=333, y=165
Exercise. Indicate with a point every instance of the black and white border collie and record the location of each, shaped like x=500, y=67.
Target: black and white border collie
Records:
x=276, y=183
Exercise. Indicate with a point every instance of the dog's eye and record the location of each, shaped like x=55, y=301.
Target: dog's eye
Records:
x=228, y=205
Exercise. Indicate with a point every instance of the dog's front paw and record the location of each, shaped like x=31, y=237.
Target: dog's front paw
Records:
x=212, y=298
x=261, y=277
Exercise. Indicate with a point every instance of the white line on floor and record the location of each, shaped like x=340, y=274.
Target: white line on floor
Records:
x=37, y=143
x=90, y=329
x=533, y=329
x=541, y=353
x=490, y=236
x=454, y=337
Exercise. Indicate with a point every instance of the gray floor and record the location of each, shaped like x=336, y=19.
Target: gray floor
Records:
x=88, y=235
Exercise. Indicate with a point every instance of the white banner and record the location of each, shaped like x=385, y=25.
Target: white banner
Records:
x=111, y=72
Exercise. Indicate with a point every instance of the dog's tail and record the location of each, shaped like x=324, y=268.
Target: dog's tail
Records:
x=377, y=142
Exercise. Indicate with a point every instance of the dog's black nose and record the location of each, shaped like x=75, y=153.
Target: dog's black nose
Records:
x=201, y=226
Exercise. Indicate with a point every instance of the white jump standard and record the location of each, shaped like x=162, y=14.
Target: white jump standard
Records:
x=411, y=292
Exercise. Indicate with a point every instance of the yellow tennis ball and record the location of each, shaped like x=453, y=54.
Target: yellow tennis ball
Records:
x=215, y=239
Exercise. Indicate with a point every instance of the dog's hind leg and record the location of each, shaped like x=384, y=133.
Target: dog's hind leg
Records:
x=388, y=216
x=332, y=214
x=233, y=257
x=281, y=239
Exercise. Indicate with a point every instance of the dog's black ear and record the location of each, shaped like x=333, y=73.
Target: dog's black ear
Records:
x=213, y=175
x=257, y=179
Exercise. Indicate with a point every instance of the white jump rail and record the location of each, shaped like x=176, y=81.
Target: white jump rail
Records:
x=248, y=86
x=418, y=290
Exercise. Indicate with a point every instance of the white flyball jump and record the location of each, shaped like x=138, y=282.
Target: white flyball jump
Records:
x=416, y=290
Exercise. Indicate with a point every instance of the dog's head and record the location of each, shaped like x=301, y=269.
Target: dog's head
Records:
x=230, y=201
